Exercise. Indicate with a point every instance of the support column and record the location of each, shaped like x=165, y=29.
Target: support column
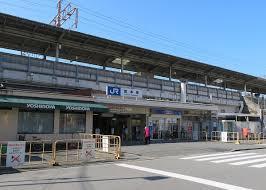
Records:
x=170, y=72
x=132, y=80
x=206, y=80
x=122, y=65
x=224, y=85
x=89, y=122
x=183, y=91
x=57, y=52
x=14, y=124
x=245, y=89
x=56, y=121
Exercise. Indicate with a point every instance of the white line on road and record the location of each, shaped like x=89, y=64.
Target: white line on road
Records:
x=185, y=177
x=208, y=155
x=236, y=159
x=226, y=156
x=259, y=165
x=248, y=162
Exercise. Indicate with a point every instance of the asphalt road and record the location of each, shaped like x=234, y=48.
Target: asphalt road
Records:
x=201, y=169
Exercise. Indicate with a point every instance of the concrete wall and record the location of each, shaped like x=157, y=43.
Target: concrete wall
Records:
x=30, y=70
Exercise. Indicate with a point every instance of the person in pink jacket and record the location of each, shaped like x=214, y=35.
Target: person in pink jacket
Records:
x=147, y=135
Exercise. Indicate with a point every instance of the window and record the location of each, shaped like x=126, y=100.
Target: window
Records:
x=72, y=123
x=33, y=122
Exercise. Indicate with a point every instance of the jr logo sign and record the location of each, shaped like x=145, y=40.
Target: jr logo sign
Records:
x=113, y=91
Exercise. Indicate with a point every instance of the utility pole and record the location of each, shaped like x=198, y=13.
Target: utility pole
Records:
x=65, y=14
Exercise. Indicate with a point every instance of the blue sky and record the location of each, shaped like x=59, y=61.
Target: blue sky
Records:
x=225, y=33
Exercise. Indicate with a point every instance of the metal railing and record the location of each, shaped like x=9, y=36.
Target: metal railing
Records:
x=232, y=136
x=50, y=152
x=106, y=143
x=36, y=152
x=216, y=135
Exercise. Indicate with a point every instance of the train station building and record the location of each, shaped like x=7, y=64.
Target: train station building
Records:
x=56, y=83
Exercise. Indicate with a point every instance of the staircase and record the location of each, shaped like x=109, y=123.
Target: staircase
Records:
x=250, y=106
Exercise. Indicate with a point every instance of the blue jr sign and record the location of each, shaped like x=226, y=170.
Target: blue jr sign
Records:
x=113, y=91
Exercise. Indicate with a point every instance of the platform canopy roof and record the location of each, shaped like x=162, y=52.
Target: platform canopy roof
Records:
x=35, y=37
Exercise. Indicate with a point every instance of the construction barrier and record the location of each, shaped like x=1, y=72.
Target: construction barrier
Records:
x=232, y=137
x=85, y=148
x=36, y=153
x=106, y=143
x=237, y=137
x=216, y=136
x=261, y=137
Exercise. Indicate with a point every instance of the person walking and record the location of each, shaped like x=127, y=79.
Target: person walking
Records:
x=147, y=135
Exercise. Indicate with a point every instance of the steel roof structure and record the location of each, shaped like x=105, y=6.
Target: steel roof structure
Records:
x=35, y=37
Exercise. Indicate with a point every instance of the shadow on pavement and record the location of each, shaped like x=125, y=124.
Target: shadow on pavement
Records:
x=8, y=171
x=51, y=181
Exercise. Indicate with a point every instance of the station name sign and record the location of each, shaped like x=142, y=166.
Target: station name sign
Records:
x=118, y=91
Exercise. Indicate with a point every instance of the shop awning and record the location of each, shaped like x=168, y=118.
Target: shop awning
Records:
x=50, y=104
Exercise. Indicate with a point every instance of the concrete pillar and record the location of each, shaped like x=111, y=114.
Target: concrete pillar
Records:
x=57, y=52
x=184, y=92
x=9, y=125
x=56, y=121
x=89, y=122
x=245, y=88
x=122, y=65
x=206, y=80
x=170, y=72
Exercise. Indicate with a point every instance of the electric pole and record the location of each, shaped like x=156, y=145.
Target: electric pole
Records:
x=65, y=14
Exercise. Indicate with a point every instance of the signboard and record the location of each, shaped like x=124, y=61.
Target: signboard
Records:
x=165, y=112
x=41, y=106
x=118, y=109
x=113, y=91
x=15, y=153
x=224, y=136
x=128, y=92
x=88, y=149
x=105, y=142
x=77, y=108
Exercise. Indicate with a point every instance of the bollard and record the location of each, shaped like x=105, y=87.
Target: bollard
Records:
x=237, y=139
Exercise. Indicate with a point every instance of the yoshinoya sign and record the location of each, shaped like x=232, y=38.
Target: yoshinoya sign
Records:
x=77, y=108
x=40, y=106
x=118, y=91
x=15, y=155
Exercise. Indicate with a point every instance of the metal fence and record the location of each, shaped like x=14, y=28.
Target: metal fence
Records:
x=63, y=151
x=216, y=135
x=36, y=153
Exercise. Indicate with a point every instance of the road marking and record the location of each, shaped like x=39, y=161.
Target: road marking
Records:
x=236, y=159
x=259, y=165
x=248, y=162
x=226, y=156
x=185, y=177
x=208, y=155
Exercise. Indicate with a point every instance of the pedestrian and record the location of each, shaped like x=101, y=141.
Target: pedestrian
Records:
x=147, y=135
